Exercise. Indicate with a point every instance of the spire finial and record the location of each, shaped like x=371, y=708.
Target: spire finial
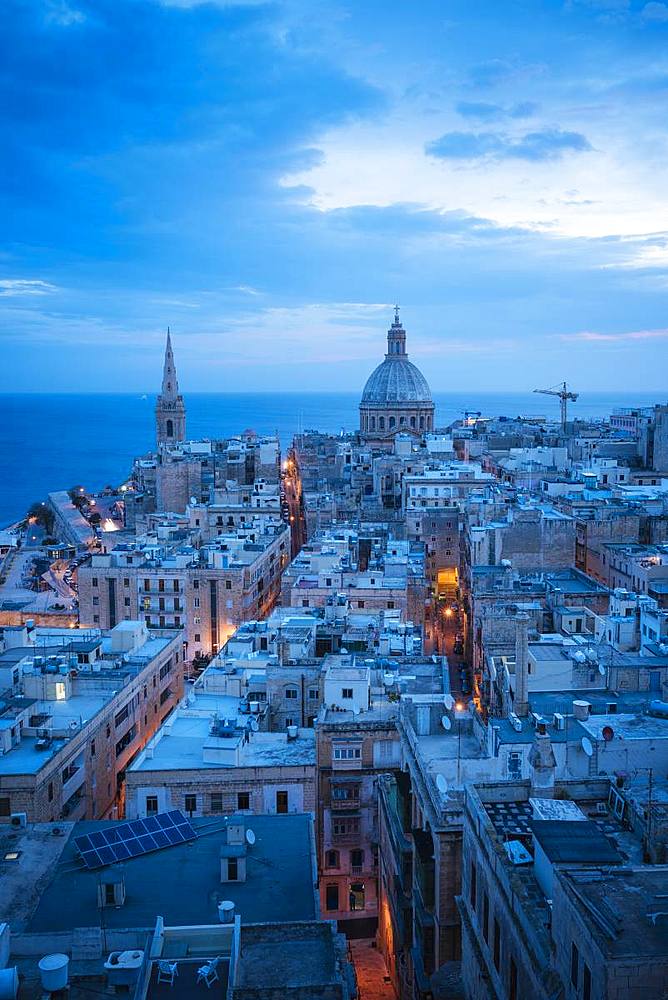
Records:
x=396, y=314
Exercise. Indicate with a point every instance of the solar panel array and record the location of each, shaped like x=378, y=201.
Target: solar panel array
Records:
x=131, y=840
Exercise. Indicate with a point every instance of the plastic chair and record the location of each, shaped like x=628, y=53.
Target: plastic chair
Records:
x=167, y=971
x=208, y=973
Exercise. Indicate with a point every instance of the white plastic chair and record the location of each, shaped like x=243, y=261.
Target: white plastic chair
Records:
x=167, y=971
x=208, y=973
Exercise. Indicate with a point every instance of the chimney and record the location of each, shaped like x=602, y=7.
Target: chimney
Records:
x=521, y=702
x=543, y=765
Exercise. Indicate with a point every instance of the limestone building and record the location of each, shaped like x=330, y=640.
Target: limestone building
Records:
x=396, y=397
x=170, y=410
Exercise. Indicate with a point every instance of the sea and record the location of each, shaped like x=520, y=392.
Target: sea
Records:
x=55, y=441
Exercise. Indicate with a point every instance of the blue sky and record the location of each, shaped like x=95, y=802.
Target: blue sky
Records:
x=269, y=178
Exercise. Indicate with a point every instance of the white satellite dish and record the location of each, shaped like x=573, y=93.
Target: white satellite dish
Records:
x=250, y=837
x=446, y=722
x=587, y=746
x=442, y=783
x=601, y=670
x=448, y=701
x=255, y=725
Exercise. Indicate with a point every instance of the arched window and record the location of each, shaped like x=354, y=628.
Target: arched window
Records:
x=381, y=423
x=402, y=421
x=413, y=422
x=170, y=428
x=373, y=423
x=421, y=423
x=393, y=422
x=332, y=859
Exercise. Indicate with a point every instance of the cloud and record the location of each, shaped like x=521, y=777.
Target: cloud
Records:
x=10, y=287
x=655, y=12
x=59, y=12
x=539, y=146
x=495, y=112
x=591, y=336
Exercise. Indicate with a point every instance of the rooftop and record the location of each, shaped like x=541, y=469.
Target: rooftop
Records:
x=181, y=883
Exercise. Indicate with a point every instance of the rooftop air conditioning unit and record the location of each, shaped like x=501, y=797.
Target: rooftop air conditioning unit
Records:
x=18, y=820
x=559, y=721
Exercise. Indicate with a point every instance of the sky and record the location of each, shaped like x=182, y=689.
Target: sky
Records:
x=268, y=179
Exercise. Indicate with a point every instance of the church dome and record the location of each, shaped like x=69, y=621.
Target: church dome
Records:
x=397, y=381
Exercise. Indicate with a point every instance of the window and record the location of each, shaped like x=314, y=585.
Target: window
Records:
x=289, y=721
x=191, y=804
x=360, y=604
x=161, y=586
x=195, y=584
x=243, y=800
x=332, y=859
x=575, y=964
x=515, y=764
x=346, y=693
x=121, y=716
x=126, y=601
x=126, y=581
x=347, y=753
x=390, y=605
x=485, y=917
x=291, y=693
x=198, y=637
x=216, y=802
x=96, y=601
x=497, y=944
x=332, y=897
x=232, y=869
x=94, y=581
x=196, y=602
x=313, y=694
x=344, y=827
x=50, y=791
x=473, y=887
x=228, y=585
x=357, y=858
x=151, y=805
x=281, y=802
x=586, y=982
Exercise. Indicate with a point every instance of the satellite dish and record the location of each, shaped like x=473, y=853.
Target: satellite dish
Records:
x=446, y=722
x=442, y=783
x=601, y=670
x=250, y=837
x=587, y=746
x=448, y=701
x=255, y=725
x=193, y=501
x=607, y=733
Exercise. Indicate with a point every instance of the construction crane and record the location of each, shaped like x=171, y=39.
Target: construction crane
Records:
x=564, y=394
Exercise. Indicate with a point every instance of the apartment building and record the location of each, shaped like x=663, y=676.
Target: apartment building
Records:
x=375, y=574
x=207, y=591
x=556, y=898
x=80, y=707
x=211, y=759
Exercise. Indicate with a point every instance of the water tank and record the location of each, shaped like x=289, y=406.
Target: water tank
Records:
x=53, y=970
x=292, y=732
x=658, y=708
x=9, y=984
x=226, y=911
x=581, y=710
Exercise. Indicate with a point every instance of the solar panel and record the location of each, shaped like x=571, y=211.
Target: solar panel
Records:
x=133, y=839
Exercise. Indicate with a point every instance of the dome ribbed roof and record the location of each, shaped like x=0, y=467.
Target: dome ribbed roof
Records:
x=396, y=380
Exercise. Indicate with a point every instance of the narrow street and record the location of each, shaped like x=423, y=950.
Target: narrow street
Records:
x=449, y=631
x=292, y=501
x=373, y=981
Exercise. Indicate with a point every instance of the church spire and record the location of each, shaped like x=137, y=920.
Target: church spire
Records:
x=170, y=411
x=170, y=383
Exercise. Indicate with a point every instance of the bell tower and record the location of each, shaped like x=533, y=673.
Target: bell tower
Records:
x=170, y=410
